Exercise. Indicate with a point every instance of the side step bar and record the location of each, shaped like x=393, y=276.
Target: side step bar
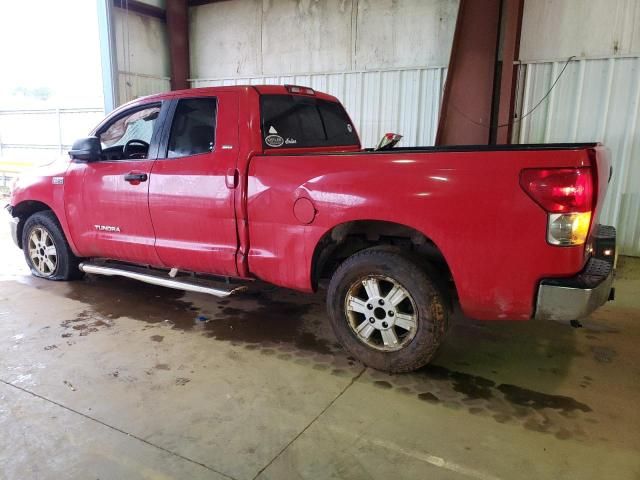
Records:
x=156, y=279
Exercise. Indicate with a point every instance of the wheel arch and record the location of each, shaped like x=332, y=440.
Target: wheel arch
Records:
x=345, y=239
x=24, y=210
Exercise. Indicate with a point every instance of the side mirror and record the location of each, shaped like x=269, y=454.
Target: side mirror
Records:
x=86, y=149
x=388, y=141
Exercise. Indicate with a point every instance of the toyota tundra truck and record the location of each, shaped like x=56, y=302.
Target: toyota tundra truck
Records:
x=188, y=188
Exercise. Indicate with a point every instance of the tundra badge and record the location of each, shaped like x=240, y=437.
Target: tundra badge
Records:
x=107, y=228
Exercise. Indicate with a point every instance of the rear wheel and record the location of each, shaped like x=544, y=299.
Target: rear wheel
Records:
x=46, y=249
x=386, y=310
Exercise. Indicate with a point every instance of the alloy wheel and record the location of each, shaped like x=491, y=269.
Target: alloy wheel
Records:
x=381, y=313
x=42, y=251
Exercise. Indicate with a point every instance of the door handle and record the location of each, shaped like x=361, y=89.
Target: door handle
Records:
x=135, y=178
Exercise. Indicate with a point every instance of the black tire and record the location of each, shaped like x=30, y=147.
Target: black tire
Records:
x=66, y=265
x=429, y=319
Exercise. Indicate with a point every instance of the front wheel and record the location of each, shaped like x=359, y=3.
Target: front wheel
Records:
x=46, y=249
x=386, y=310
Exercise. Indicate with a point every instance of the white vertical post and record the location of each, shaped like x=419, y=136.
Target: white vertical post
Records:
x=59, y=122
x=108, y=55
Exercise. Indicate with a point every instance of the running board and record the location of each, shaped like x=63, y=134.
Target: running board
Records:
x=157, y=279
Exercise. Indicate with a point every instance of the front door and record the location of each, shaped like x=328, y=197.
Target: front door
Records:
x=191, y=195
x=107, y=199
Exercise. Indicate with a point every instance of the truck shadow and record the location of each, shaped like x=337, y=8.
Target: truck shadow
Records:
x=477, y=370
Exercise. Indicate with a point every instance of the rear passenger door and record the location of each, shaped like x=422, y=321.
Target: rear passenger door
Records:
x=191, y=195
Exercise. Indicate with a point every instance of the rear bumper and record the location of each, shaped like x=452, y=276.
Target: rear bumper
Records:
x=576, y=297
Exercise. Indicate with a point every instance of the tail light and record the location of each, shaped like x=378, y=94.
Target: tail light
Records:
x=566, y=194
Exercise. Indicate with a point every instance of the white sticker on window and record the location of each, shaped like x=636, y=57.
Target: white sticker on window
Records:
x=273, y=131
x=290, y=141
x=349, y=128
x=274, y=140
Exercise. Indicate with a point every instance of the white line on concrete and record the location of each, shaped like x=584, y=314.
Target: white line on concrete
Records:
x=423, y=456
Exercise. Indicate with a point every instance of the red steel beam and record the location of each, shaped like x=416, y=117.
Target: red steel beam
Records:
x=465, y=115
x=178, y=30
x=141, y=8
x=511, y=27
x=197, y=3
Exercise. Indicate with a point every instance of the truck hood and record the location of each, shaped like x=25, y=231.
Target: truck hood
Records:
x=37, y=177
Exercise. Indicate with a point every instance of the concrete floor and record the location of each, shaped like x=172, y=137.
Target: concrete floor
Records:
x=112, y=379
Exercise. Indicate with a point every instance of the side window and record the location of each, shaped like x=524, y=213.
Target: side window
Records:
x=129, y=136
x=194, y=127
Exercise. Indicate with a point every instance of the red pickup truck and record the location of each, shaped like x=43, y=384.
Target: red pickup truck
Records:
x=271, y=183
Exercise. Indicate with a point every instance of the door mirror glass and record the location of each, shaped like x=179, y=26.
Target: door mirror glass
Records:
x=86, y=149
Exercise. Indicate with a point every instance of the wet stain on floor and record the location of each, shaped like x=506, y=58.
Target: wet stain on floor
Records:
x=562, y=416
x=603, y=354
x=273, y=321
x=270, y=320
x=114, y=298
x=293, y=327
x=84, y=323
x=382, y=384
x=471, y=386
x=428, y=397
x=537, y=400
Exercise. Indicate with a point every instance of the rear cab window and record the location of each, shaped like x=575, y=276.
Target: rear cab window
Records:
x=297, y=121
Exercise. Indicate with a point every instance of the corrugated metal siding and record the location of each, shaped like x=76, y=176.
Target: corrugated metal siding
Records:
x=406, y=101
x=134, y=85
x=596, y=99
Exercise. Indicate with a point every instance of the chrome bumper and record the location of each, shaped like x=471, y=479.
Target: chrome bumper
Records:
x=572, y=298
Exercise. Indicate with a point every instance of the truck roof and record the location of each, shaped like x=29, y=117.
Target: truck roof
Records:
x=260, y=89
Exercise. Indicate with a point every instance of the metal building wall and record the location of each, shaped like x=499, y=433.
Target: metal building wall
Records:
x=405, y=101
x=142, y=55
x=382, y=58
x=245, y=38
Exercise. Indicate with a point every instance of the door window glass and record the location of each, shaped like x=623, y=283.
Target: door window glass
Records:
x=193, y=129
x=129, y=136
